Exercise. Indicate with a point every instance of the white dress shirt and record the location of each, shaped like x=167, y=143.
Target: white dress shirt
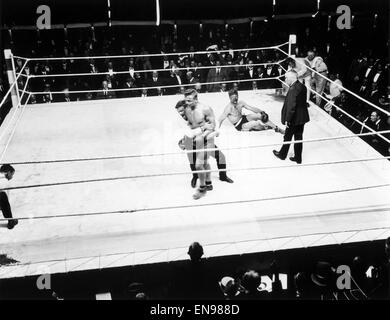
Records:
x=376, y=77
x=178, y=79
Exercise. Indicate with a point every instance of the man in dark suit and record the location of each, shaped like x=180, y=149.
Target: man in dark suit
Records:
x=155, y=81
x=294, y=115
x=215, y=76
x=176, y=80
x=105, y=92
x=250, y=73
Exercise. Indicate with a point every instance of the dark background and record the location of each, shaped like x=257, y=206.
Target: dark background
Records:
x=23, y=12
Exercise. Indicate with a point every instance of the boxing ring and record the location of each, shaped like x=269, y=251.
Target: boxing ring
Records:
x=102, y=184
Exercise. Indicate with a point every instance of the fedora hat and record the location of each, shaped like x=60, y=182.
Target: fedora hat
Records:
x=323, y=275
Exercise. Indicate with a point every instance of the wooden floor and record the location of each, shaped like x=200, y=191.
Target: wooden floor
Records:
x=269, y=209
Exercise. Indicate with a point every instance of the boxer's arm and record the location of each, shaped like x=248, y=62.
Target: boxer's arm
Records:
x=250, y=108
x=223, y=116
x=210, y=121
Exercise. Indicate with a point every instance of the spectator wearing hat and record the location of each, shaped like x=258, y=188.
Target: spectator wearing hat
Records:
x=133, y=290
x=229, y=288
x=324, y=279
x=250, y=283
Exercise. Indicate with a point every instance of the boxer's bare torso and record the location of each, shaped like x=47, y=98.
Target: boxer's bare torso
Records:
x=234, y=111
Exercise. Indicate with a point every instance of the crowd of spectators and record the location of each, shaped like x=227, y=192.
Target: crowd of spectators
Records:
x=367, y=77
x=174, y=72
x=364, y=72
x=197, y=278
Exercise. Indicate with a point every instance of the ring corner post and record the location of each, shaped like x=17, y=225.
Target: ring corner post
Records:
x=11, y=75
x=292, y=44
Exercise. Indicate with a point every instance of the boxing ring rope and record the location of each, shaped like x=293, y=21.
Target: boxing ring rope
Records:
x=196, y=205
x=23, y=67
x=195, y=171
x=152, y=70
x=156, y=54
x=154, y=88
x=125, y=254
x=199, y=150
x=14, y=84
x=182, y=85
x=345, y=89
x=13, y=116
x=351, y=117
x=344, y=112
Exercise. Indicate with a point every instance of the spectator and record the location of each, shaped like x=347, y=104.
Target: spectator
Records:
x=144, y=93
x=66, y=95
x=300, y=65
x=47, y=97
x=129, y=84
x=303, y=288
x=155, y=81
x=199, y=87
x=195, y=251
x=250, y=74
x=254, y=85
x=141, y=296
x=324, y=279
x=191, y=79
x=223, y=87
x=192, y=279
x=270, y=72
x=215, y=76
x=250, y=282
x=356, y=71
x=134, y=289
x=160, y=91
x=33, y=99
x=380, y=275
x=384, y=102
x=175, y=79
x=360, y=283
x=374, y=122
x=105, y=92
x=165, y=64
x=229, y=288
x=319, y=81
x=373, y=96
x=335, y=89
x=6, y=174
x=369, y=71
x=363, y=89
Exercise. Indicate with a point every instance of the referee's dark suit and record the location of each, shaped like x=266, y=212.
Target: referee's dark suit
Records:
x=294, y=115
